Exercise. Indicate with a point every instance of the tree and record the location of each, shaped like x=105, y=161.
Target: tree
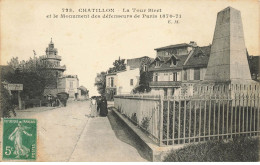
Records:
x=34, y=76
x=14, y=63
x=100, y=83
x=253, y=62
x=145, y=77
x=119, y=65
x=6, y=105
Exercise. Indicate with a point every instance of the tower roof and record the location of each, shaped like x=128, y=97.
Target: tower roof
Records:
x=50, y=50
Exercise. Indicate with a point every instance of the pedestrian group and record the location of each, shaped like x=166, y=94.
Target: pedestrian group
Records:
x=98, y=106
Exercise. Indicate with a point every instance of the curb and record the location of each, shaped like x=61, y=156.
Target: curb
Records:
x=151, y=150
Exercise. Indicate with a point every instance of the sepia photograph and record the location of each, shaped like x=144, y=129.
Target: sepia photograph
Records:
x=129, y=81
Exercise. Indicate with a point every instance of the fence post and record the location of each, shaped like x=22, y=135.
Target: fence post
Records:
x=161, y=122
x=258, y=114
x=209, y=117
x=168, y=120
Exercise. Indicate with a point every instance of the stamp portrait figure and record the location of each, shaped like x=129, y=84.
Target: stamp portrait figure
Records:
x=16, y=137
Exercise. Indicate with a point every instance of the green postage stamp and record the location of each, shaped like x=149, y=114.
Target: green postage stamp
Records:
x=19, y=139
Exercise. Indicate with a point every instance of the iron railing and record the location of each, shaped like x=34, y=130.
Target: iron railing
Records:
x=181, y=120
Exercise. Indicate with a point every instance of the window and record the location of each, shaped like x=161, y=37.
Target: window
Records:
x=112, y=81
x=196, y=74
x=175, y=76
x=156, y=77
x=173, y=62
x=71, y=84
x=145, y=68
x=185, y=76
x=171, y=77
x=157, y=63
x=108, y=82
x=131, y=81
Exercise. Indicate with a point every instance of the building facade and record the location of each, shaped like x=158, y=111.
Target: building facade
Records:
x=70, y=85
x=83, y=93
x=127, y=80
x=177, y=66
x=123, y=82
x=111, y=85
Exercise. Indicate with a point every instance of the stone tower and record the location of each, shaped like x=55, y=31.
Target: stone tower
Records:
x=228, y=59
x=51, y=62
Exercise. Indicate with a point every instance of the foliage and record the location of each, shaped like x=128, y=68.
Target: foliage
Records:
x=145, y=79
x=243, y=149
x=34, y=76
x=145, y=123
x=5, y=102
x=100, y=83
x=119, y=65
x=14, y=62
x=119, y=109
x=253, y=62
x=134, y=118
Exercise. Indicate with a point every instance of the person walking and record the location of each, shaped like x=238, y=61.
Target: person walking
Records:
x=93, y=106
x=103, y=107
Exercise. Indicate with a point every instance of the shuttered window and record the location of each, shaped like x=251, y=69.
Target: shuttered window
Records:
x=196, y=74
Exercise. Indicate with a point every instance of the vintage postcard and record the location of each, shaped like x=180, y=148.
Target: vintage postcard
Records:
x=129, y=81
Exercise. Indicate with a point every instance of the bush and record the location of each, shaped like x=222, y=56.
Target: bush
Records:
x=145, y=123
x=239, y=150
x=5, y=103
x=134, y=118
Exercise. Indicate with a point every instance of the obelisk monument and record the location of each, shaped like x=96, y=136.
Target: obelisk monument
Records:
x=228, y=58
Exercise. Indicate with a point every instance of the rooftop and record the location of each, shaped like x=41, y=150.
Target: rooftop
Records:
x=199, y=57
x=166, y=63
x=174, y=46
x=137, y=62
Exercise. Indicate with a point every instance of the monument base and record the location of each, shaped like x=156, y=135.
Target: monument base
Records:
x=228, y=89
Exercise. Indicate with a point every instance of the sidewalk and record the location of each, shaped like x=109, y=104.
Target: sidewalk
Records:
x=101, y=142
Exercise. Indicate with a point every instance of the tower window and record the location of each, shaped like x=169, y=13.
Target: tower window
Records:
x=131, y=81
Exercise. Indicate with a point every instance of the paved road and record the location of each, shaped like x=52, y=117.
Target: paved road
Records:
x=69, y=134
x=58, y=129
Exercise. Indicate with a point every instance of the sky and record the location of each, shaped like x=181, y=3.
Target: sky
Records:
x=89, y=46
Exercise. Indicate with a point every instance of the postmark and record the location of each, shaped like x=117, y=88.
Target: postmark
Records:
x=19, y=139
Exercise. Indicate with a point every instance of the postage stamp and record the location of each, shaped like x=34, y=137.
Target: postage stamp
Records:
x=19, y=139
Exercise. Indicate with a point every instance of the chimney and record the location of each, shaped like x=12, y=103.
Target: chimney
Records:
x=193, y=43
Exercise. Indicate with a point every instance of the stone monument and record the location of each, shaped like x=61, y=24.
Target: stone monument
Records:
x=228, y=70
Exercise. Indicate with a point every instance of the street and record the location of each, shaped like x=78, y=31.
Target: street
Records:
x=69, y=134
